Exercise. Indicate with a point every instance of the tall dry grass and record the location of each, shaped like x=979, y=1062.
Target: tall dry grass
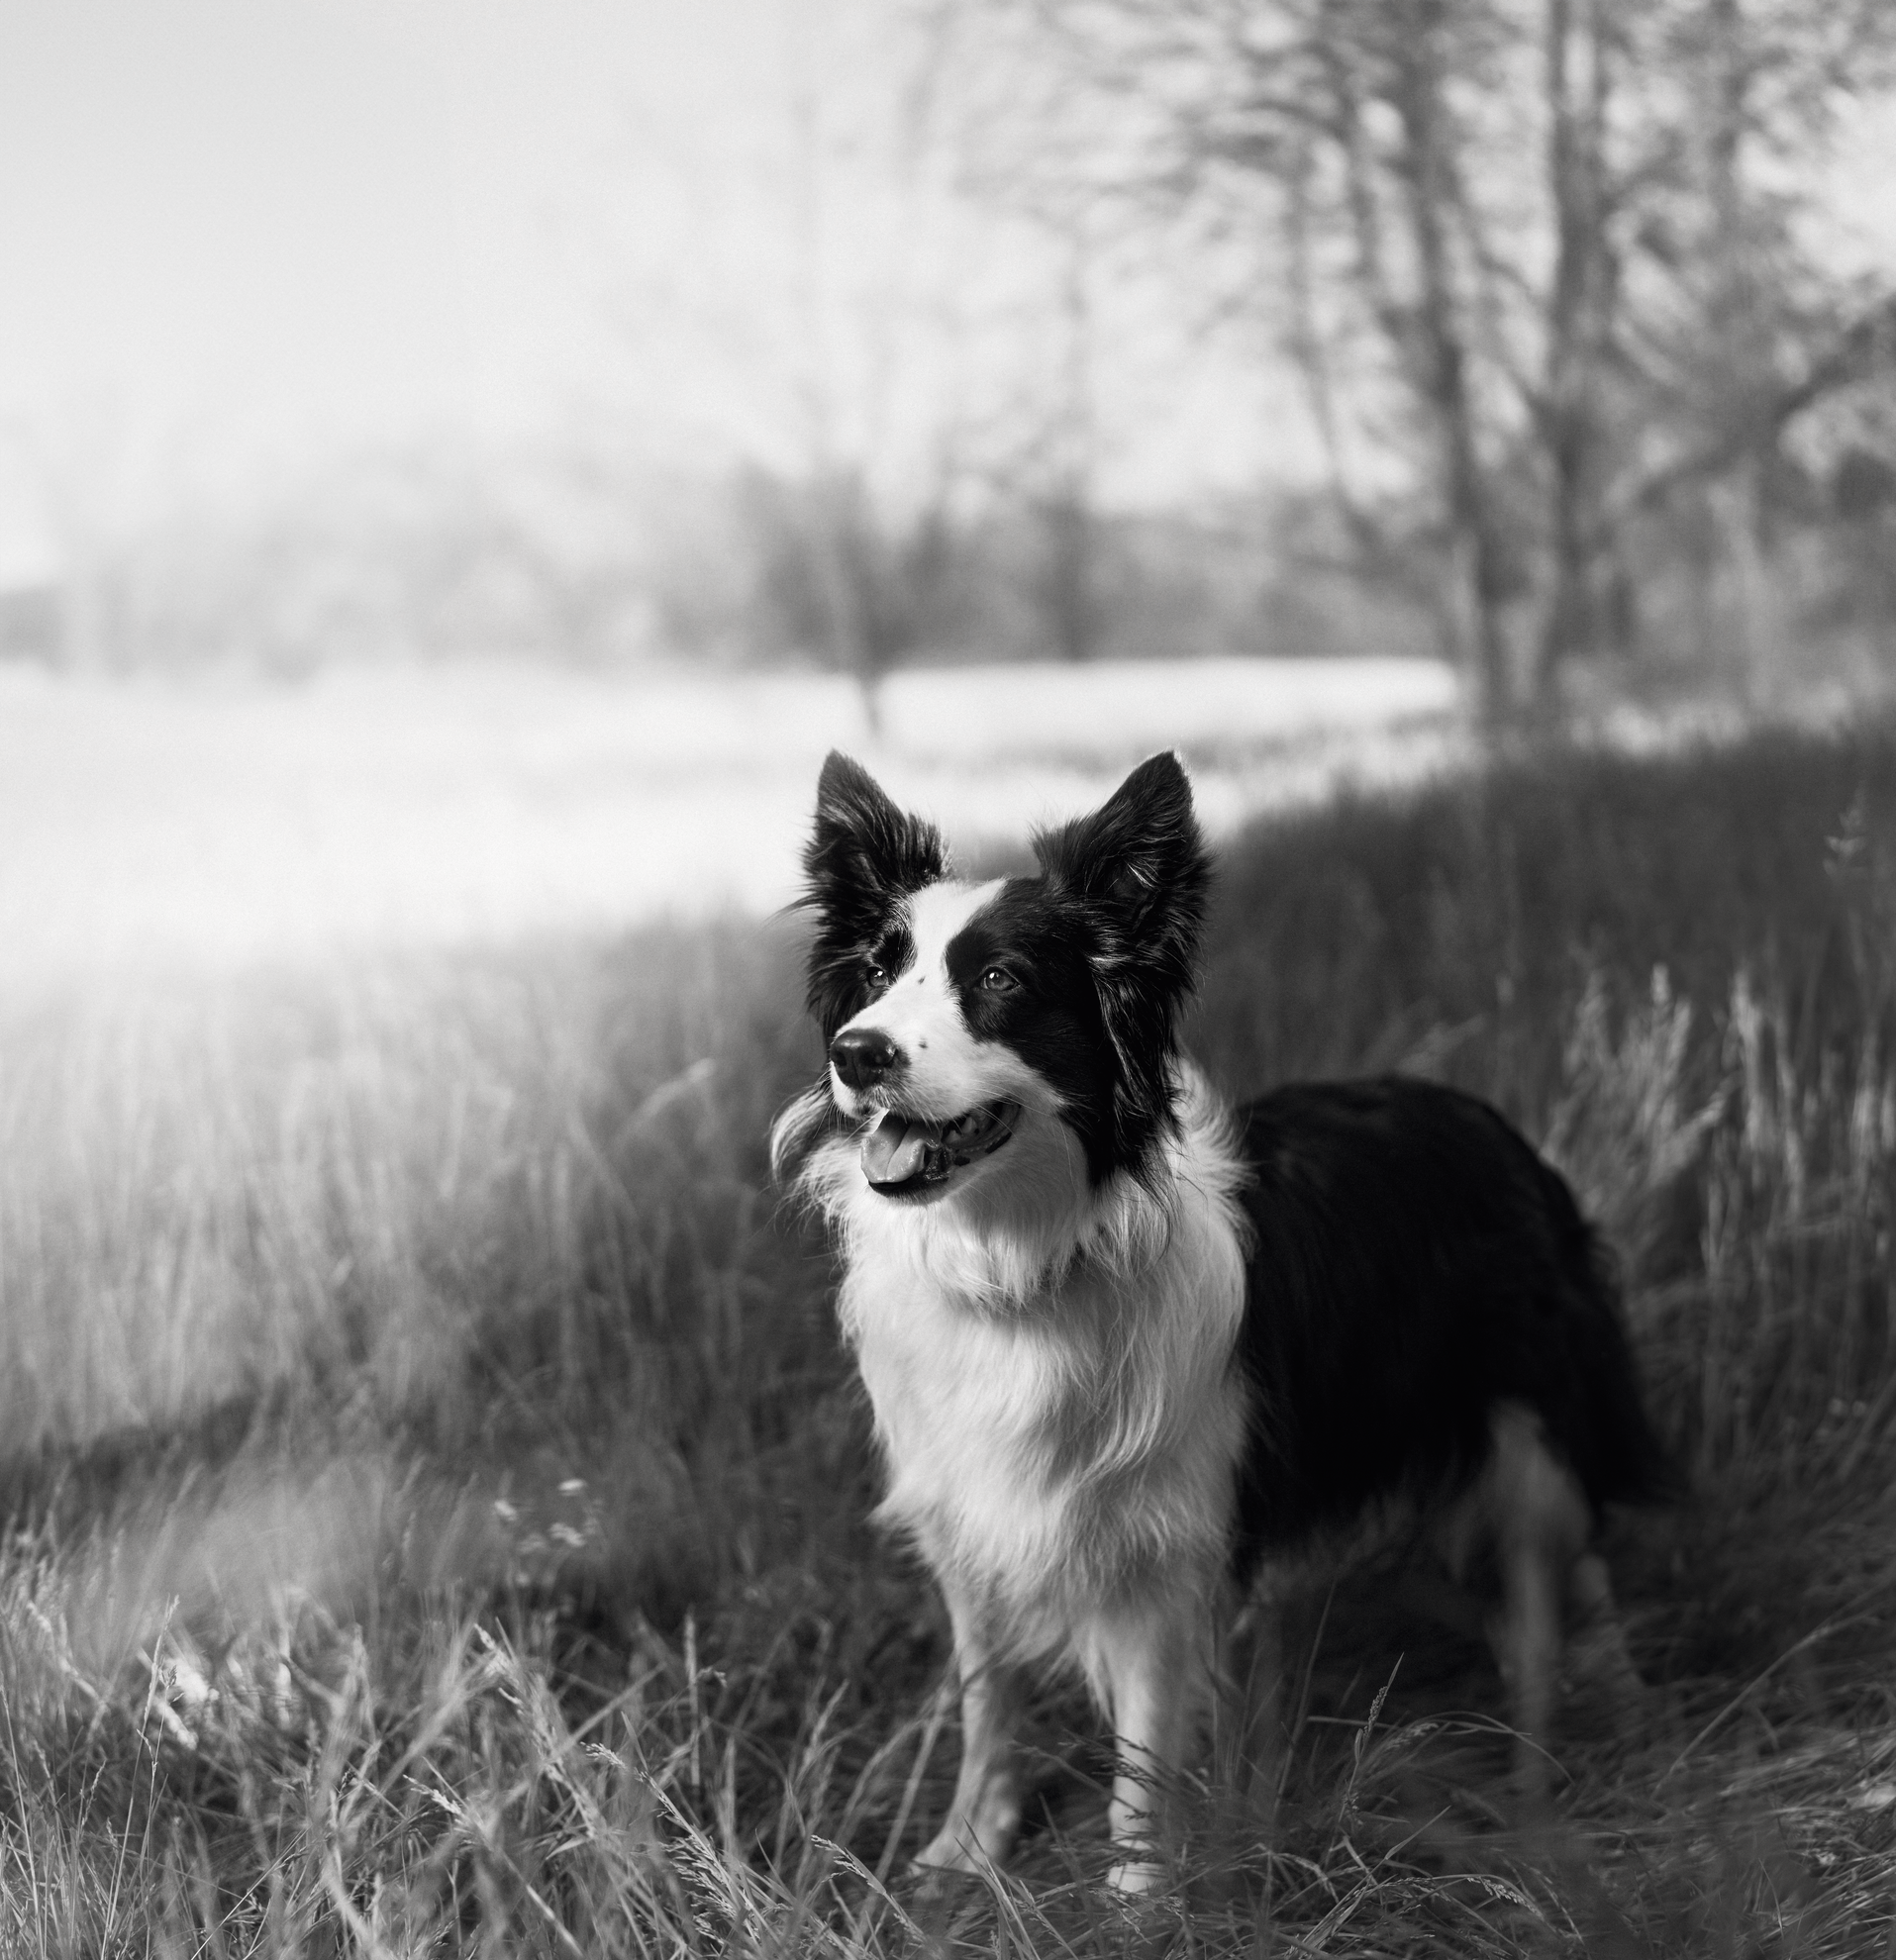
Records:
x=436, y=1496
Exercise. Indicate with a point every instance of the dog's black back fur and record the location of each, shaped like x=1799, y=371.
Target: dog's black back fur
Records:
x=1416, y=1266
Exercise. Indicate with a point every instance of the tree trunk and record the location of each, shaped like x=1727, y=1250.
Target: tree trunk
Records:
x=1578, y=300
x=1748, y=614
x=869, y=681
x=1073, y=614
x=1474, y=572
x=1743, y=363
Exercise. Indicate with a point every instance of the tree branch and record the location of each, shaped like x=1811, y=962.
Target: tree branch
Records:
x=1867, y=344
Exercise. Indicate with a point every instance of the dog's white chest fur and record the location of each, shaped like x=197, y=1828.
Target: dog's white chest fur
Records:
x=1052, y=1446
x=965, y=1404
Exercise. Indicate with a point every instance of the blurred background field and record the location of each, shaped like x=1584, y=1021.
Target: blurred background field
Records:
x=156, y=823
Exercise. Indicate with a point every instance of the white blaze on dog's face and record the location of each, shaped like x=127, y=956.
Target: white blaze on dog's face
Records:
x=941, y=1070
x=950, y=1097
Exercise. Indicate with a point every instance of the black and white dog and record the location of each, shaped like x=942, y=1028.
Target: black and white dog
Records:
x=1135, y=1359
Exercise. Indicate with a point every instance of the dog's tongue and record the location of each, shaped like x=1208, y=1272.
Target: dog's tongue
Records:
x=897, y=1148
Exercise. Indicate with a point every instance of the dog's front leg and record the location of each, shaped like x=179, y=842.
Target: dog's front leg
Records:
x=984, y=1818
x=1153, y=1656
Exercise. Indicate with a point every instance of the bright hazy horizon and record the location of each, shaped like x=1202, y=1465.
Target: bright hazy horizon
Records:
x=243, y=241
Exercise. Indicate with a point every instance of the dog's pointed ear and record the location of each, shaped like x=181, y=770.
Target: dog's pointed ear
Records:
x=1137, y=872
x=1141, y=856
x=862, y=846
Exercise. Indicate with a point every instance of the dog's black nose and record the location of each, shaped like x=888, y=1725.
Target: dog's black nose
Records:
x=865, y=1055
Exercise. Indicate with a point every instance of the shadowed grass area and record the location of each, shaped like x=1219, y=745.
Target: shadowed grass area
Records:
x=439, y=1497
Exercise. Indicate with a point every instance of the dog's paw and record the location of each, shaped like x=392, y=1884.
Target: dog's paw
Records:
x=1137, y=1878
x=947, y=1854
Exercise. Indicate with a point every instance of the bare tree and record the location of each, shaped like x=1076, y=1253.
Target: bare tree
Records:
x=1054, y=465
x=1583, y=302
x=869, y=516
x=1514, y=247
x=840, y=580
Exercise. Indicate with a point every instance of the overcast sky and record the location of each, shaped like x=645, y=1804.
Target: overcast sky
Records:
x=240, y=233
x=240, y=236
x=235, y=236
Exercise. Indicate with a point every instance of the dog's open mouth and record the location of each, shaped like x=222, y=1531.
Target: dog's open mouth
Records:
x=905, y=1154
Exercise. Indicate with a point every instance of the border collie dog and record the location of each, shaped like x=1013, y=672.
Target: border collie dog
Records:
x=1138, y=1360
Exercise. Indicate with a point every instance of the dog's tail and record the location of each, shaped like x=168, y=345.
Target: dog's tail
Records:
x=1619, y=1453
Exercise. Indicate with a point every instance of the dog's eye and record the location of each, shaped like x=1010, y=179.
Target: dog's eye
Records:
x=997, y=980
x=874, y=975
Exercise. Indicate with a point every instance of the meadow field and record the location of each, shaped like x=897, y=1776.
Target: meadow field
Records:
x=156, y=822
x=436, y=1497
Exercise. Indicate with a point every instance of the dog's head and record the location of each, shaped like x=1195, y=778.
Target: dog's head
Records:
x=963, y=1020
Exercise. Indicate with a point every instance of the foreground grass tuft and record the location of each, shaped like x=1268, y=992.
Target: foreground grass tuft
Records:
x=436, y=1498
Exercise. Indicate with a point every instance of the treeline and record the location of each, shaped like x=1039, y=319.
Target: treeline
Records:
x=562, y=557
x=574, y=555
